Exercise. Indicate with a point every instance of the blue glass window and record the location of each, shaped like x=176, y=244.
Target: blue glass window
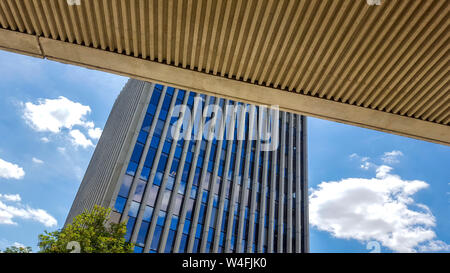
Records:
x=134, y=207
x=139, y=191
x=155, y=142
x=142, y=233
x=155, y=97
x=195, y=249
x=174, y=222
x=178, y=152
x=137, y=152
x=182, y=186
x=158, y=178
x=187, y=225
x=138, y=249
x=170, y=181
x=205, y=196
x=210, y=234
x=132, y=167
x=166, y=102
x=145, y=172
x=150, y=157
x=169, y=241
x=200, y=161
x=130, y=226
x=147, y=123
x=147, y=214
x=170, y=90
x=181, y=94
x=156, y=236
x=161, y=218
x=213, y=216
x=198, y=232
x=162, y=163
x=185, y=172
x=125, y=187
x=142, y=137
x=163, y=114
x=193, y=192
x=174, y=167
x=166, y=147
x=159, y=128
x=201, y=214
x=183, y=243
x=210, y=166
x=189, y=157
x=120, y=204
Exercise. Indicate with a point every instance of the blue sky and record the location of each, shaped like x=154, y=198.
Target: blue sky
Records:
x=42, y=162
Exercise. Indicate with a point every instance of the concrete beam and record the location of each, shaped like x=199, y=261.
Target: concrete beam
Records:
x=223, y=87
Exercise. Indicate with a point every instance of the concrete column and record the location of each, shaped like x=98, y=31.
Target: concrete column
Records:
x=263, y=207
x=197, y=110
x=229, y=151
x=289, y=185
x=235, y=184
x=174, y=193
x=201, y=184
x=134, y=184
x=148, y=188
x=281, y=184
x=245, y=180
x=212, y=185
x=253, y=203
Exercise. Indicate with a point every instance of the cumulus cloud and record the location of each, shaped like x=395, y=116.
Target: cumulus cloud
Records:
x=8, y=213
x=37, y=160
x=391, y=157
x=10, y=171
x=10, y=197
x=95, y=133
x=435, y=246
x=54, y=114
x=380, y=209
x=365, y=164
x=79, y=139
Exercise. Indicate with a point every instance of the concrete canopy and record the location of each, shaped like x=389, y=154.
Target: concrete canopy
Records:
x=383, y=67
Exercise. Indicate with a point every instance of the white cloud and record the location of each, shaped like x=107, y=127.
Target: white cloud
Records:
x=10, y=171
x=61, y=150
x=435, y=246
x=54, y=114
x=377, y=209
x=383, y=171
x=95, y=133
x=10, y=197
x=9, y=212
x=37, y=160
x=79, y=139
x=365, y=163
x=17, y=244
x=391, y=157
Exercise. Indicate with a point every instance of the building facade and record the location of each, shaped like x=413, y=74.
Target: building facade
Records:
x=189, y=172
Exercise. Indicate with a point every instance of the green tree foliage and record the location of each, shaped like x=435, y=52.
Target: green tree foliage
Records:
x=17, y=249
x=90, y=232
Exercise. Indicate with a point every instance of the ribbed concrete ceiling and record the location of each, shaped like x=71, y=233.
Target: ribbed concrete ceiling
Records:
x=392, y=58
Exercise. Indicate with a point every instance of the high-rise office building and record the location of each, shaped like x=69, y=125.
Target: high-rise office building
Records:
x=189, y=172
